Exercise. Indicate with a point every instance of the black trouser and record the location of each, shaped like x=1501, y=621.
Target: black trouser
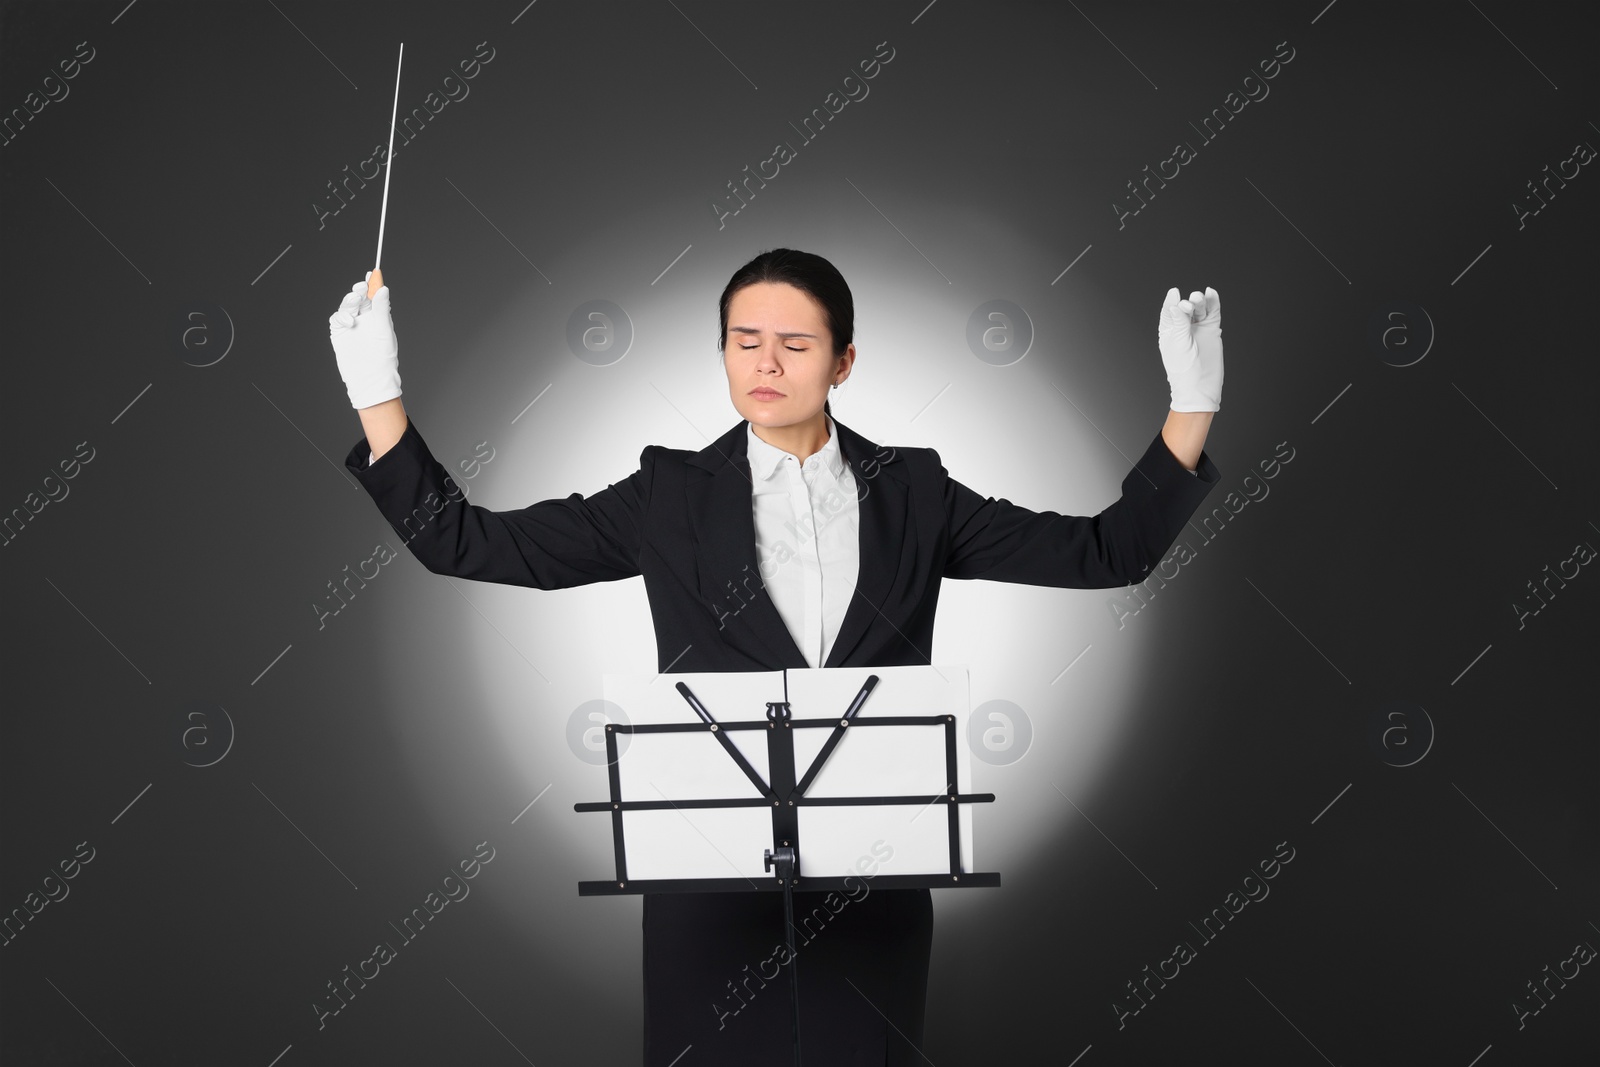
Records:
x=717, y=983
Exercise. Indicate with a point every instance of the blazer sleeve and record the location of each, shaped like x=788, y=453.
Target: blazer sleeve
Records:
x=553, y=544
x=1003, y=542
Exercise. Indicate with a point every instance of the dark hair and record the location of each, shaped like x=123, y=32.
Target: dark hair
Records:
x=809, y=273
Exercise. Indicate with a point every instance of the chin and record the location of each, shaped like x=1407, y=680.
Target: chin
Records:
x=761, y=414
x=769, y=414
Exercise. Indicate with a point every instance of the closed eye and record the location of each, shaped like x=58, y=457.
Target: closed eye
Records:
x=791, y=348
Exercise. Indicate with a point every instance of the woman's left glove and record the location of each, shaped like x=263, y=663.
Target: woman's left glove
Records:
x=1190, y=338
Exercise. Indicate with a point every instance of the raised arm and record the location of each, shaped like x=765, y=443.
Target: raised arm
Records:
x=1185, y=435
x=1000, y=541
x=368, y=354
x=553, y=544
x=1003, y=542
x=384, y=424
x=1189, y=335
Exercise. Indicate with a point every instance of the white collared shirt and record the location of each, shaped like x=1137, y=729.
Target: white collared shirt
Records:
x=808, y=541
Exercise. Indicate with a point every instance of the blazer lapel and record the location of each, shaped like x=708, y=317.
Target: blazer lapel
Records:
x=723, y=520
x=722, y=516
x=885, y=546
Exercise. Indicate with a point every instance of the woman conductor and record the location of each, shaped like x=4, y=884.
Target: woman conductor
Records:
x=709, y=532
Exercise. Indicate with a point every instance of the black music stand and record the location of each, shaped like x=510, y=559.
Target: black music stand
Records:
x=784, y=792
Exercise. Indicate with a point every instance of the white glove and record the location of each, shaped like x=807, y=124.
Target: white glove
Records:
x=1190, y=336
x=364, y=345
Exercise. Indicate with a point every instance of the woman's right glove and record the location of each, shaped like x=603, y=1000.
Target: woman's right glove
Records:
x=364, y=344
x=1190, y=338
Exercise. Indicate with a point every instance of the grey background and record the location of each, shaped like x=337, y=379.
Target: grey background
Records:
x=1235, y=712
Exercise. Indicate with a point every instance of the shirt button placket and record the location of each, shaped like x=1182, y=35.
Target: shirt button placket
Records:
x=806, y=519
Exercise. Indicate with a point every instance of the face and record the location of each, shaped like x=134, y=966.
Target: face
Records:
x=779, y=355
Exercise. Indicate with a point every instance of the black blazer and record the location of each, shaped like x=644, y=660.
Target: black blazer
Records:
x=684, y=520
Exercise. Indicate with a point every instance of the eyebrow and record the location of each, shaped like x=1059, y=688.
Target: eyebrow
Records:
x=752, y=329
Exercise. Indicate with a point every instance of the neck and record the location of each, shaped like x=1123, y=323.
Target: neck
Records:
x=801, y=440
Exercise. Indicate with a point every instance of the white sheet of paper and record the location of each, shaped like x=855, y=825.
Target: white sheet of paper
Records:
x=868, y=761
x=882, y=761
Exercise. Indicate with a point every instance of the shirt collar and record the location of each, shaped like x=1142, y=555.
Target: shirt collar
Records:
x=765, y=458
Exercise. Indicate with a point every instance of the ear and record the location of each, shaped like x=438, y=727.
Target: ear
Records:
x=846, y=362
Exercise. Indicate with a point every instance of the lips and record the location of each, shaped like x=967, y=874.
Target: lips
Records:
x=765, y=394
